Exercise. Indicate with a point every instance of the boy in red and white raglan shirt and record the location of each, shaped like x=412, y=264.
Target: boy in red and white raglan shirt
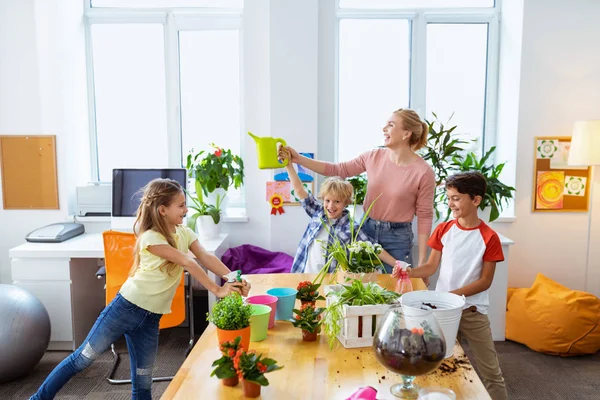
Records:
x=467, y=250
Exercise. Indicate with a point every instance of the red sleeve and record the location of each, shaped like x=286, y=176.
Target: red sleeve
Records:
x=493, y=247
x=435, y=241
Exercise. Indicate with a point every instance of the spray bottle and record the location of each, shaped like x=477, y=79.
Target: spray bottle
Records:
x=403, y=285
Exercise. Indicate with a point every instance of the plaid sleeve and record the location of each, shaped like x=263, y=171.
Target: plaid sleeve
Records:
x=311, y=206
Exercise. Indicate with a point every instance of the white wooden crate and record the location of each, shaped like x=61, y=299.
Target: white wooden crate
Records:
x=371, y=317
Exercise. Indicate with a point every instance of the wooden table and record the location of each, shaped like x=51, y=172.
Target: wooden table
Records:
x=311, y=370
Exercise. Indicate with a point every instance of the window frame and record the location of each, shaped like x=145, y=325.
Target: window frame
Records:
x=173, y=20
x=418, y=19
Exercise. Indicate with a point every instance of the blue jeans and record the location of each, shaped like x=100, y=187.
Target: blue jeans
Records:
x=119, y=318
x=395, y=237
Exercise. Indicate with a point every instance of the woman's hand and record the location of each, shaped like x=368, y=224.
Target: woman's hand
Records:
x=229, y=288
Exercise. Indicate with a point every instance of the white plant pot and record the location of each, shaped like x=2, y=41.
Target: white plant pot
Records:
x=212, y=198
x=206, y=227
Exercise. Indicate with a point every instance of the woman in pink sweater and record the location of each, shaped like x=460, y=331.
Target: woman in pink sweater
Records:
x=404, y=180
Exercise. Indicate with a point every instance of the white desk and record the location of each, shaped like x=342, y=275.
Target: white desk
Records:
x=63, y=277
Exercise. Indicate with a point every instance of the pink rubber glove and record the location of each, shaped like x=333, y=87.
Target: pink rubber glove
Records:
x=364, y=393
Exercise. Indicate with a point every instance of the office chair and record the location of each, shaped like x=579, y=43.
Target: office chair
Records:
x=118, y=256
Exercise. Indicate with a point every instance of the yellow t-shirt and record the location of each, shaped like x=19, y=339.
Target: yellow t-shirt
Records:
x=152, y=288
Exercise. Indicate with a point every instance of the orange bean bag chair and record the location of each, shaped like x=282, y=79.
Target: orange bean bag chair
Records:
x=553, y=319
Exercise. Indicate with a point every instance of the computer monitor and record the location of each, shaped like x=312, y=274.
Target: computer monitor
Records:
x=126, y=193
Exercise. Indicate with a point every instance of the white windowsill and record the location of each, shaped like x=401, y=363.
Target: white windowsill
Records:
x=235, y=214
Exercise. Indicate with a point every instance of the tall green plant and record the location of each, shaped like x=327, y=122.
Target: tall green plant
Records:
x=359, y=183
x=497, y=192
x=442, y=145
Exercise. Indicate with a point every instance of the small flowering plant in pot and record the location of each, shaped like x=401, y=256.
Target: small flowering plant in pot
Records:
x=308, y=292
x=224, y=369
x=308, y=318
x=251, y=368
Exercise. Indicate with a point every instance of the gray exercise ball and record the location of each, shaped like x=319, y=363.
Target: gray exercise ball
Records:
x=24, y=332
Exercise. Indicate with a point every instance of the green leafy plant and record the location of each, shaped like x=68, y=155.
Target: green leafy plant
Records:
x=356, y=293
x=224, y=365
x=442, y=145
x=202, y=208
x=356, y=256
x=230, y=313
x=215, y=169
x=252, y=367
x=497, y=192
x=308, y=318
x=359, y=183
x=308, y=291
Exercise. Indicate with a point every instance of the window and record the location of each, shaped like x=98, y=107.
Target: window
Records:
x=431, y=59
x=162, y=81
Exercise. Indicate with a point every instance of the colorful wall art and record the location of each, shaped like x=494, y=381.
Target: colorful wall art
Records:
x=558, y=186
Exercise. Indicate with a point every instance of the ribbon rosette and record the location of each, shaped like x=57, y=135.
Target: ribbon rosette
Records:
x=276, y=204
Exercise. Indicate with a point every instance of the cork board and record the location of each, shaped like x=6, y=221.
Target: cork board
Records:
x=29, y=178
x=558, y=186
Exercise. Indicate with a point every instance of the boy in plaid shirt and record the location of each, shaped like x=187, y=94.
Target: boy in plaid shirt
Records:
x=335, y=195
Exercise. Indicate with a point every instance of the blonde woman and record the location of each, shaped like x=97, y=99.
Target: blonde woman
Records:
x=404, y=180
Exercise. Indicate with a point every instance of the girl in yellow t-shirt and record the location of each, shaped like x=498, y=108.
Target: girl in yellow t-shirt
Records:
x=161, y=254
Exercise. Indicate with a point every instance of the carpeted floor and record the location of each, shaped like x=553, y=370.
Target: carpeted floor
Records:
x=529, y=375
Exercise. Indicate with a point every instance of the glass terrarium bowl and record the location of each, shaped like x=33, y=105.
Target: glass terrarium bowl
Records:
x=410, y=346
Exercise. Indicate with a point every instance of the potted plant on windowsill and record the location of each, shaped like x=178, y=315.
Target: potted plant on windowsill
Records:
x=251, y=368
x=496, y=192
x=215, y=172
x=231, y=316
x=206, y=217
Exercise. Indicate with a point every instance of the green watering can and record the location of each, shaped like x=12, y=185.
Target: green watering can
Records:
x=266, y=147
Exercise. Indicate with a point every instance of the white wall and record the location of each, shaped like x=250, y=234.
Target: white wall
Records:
x=42, y=81
x=289, y=93
x=560, y=83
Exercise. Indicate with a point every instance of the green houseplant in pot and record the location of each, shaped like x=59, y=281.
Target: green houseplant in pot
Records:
x=215, y=172
x=224, y=368
x=251, y=368
x=308, y=318
x=497, y=194
x=206, y=217
x=231, y=316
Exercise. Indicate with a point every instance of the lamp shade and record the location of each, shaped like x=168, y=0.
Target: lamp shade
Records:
x=585, y=144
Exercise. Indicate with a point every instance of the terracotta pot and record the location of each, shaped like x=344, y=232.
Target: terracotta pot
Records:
x=251, y=389
x=309, y=336
x=230, y=381
x=342, y=275
x=229, y=336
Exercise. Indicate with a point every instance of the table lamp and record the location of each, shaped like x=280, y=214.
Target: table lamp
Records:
x=585, y=151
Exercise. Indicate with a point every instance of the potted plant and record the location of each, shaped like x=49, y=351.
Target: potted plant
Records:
x=231, y=316
x=251, y=368
x=356, y=260
x=442, y=145
x=206, y=218
x=308, y=292
x=496, y=192
x=215, y=171
x=224, y=369
x=308, y=318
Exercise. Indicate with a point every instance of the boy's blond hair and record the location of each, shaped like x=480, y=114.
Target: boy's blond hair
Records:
x=337, y=187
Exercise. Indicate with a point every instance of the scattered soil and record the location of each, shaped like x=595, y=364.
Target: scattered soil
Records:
x=432, y=306
x=448, y=367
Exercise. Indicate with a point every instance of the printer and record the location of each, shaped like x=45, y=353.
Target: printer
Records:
x=94, y=200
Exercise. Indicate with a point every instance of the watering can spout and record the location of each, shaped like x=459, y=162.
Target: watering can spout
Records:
x=253, y=137
x=266, y=148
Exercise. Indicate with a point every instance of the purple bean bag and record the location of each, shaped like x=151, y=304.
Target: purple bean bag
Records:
x=256, y=260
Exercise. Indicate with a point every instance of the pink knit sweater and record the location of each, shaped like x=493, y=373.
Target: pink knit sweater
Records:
x=405, y=190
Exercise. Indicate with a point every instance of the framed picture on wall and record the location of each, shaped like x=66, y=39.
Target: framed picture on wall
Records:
x=558, y=186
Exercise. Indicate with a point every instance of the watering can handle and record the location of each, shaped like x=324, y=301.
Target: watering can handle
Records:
x=280, y=140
